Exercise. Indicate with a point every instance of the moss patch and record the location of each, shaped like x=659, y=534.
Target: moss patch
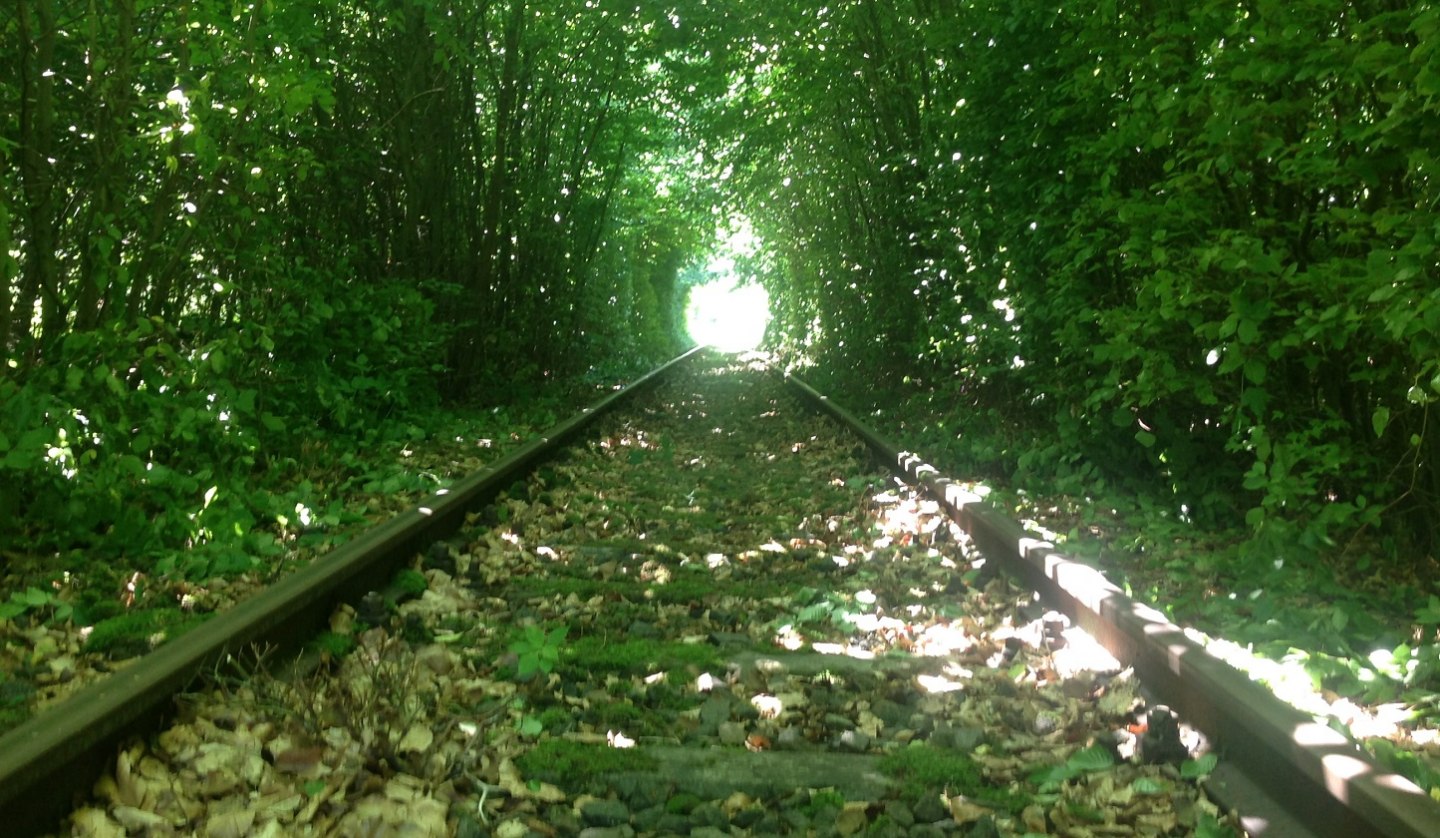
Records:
x=409, y=584
x=573, y=764
x=137, y=632
x=924, y=770
x=598, y=654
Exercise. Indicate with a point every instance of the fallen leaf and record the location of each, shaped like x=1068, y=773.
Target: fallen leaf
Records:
x=417, y=739
x=234, y=824
x=512, y=782
x=853, y=818
x=963, y=811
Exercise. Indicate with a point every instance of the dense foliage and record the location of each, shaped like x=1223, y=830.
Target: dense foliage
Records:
x=1176, y=256
x=1178, y=249
x=228, y=230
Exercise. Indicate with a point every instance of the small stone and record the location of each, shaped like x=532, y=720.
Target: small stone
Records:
x=729, y=639
x=1045, y=722
x=855, y=741
x=642, y=630
x=732, y=733
x=929, y=809
x=647, y=820
x=604, y=813
x=789, y=737
x=715, y=710
x=899, y=813
x=894, y=715
x=709, y=814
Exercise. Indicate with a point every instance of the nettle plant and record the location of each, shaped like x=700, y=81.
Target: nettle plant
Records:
x=538, y=650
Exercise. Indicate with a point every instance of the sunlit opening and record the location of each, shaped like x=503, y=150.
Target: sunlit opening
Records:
x=727, y=316
x=729, y=309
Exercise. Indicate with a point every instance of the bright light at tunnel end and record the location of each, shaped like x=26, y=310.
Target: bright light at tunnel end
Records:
x=726, y=316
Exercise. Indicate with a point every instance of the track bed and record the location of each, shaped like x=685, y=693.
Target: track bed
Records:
x=717, y=615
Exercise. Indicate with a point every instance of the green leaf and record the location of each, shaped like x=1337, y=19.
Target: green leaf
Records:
x=1050, y=775
x=1147, y=785
x=1208, y=827
x=1430, y=614
x=1255, y=371
x=1193, y=769
x=1093, y=758
x=272, y=422
x=1379, y=419
x=314, y=787
x=1145, y=438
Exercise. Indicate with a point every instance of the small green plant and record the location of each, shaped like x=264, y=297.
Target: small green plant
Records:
x=334, y=645
x=36, y=600
x=823, y=799
x=410, y=584
x=538, y=650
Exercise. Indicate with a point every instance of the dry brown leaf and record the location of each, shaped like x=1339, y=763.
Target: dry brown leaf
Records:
x=138, y=820
x=417, y=739
x=853, y=818
x=512, y=782
x=963, y=811
x=94, y=823
x=234, y=824
x=304, y=762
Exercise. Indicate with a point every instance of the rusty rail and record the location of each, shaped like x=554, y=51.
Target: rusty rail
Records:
x=1287, y=769
x=52, y=759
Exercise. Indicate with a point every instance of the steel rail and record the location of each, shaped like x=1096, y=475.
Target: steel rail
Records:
x=56, y=757
x=1293, y=770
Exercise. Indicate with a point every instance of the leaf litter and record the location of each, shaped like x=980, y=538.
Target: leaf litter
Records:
x=718, y=573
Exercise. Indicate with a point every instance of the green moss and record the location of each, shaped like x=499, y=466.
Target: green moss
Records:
x=557, y=719
x=572, y=764
x=334, y=644
x=598, y=654
x=682, y=803
x=15, y=695
x=924, y=769
x=137, y=632
x=410, y=584
x=618, y=714
x=822, y=800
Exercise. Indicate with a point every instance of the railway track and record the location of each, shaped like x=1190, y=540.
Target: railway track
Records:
x=692, y=609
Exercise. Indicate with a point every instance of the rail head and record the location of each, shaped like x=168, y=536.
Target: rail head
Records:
x=1322, y=779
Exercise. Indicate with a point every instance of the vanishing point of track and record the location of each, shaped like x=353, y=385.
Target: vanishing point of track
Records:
x=1282, y=772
